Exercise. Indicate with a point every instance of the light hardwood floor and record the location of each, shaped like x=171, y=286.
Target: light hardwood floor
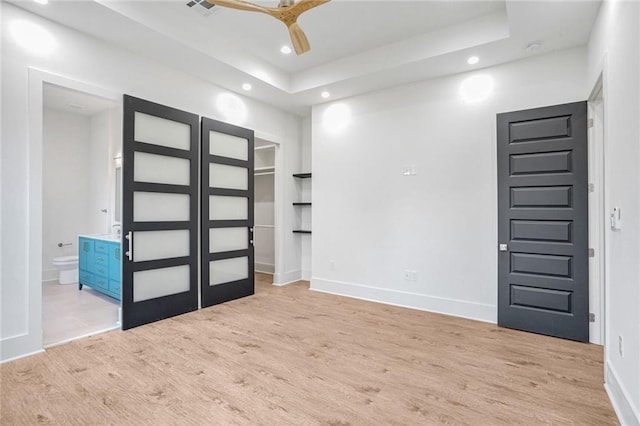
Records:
x=290, y=356
x=68, y=313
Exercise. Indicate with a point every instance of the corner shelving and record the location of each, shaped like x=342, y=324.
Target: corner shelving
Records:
x=302, y=203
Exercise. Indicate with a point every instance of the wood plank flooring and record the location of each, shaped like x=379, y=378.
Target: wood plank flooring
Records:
x=290, y=356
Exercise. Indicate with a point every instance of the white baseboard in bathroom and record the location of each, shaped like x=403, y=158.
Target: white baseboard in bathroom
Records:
x=50, y=274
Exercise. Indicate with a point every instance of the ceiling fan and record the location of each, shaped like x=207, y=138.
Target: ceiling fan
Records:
x=287, y=12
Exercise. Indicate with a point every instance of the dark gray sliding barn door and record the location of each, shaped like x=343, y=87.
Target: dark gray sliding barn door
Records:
x=227, y=212
x=543, y=273
x=160, y=212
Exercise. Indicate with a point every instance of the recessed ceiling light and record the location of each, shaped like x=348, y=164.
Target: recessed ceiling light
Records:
x=285, y=50
x=42, y=1
x=325, y=94
x=473, y=60
x=246, y=86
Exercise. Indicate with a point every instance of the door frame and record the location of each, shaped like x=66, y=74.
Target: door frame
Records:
x=599, y=275
x=595, y=108
x=278, y=209
x=36, y=79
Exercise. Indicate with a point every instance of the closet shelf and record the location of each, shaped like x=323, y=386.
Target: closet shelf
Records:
x=301, y=231
x=264, y=169
x=301, y=204
x=302, y=175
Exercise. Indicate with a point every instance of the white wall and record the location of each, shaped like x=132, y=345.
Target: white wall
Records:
x=96, y=63
x=614, y=48
x=305, y=188
x=66, y=187
x=100, y=173
x=370, y=222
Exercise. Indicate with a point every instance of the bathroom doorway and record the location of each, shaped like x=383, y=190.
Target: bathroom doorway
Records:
x=81, y=155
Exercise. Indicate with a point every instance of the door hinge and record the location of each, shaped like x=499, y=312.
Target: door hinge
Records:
x=592, y=317
x=592, y=252
x=592, y=187
x=590, y=123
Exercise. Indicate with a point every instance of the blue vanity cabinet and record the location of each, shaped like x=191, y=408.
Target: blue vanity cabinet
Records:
x=100, y=265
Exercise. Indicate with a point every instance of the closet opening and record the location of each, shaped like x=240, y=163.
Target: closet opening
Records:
x=265, y=210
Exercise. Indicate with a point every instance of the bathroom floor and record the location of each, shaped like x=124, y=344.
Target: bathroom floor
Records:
x=68, y=313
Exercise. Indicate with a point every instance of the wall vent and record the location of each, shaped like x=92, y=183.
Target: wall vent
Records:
x=203, y=7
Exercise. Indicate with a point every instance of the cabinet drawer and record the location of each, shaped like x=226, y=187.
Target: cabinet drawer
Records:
x=102, y=283
x=114, y=286
x=86, y=278
x=101, y=260
x=101, y=246
x=101, y=270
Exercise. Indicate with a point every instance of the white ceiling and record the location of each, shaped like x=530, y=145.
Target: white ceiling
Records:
x=356, y=46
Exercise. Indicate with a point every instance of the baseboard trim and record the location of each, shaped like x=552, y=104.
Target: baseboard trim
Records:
x=287, y=277
x=265, y=268
x=83, y=336
x=440, y=305
x=619, y=397
x=50, y=275
x=15, y=358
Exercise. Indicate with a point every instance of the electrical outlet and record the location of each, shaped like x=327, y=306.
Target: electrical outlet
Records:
x=414, y=275
x=332, y=265
x=407, y=275
x=620, y=346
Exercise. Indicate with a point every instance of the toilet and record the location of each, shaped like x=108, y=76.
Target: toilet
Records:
x=67, y=267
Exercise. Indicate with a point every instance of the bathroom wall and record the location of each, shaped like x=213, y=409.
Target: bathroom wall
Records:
x=66, y=187
x=77, y=179
x=102, y=142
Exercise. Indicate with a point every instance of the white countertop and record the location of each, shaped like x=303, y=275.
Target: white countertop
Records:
x=115, y=238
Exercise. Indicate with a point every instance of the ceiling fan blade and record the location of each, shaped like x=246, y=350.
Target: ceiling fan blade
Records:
x=240, y=5
x=303, y=5
x=298, y=39
x=287, y=14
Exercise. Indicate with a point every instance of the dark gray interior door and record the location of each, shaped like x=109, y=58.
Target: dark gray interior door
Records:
x=227, y=212
x=543, y=271
x=160, y=212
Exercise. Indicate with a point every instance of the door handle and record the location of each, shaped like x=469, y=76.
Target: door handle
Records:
x=503, y=247
x=129, y=253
